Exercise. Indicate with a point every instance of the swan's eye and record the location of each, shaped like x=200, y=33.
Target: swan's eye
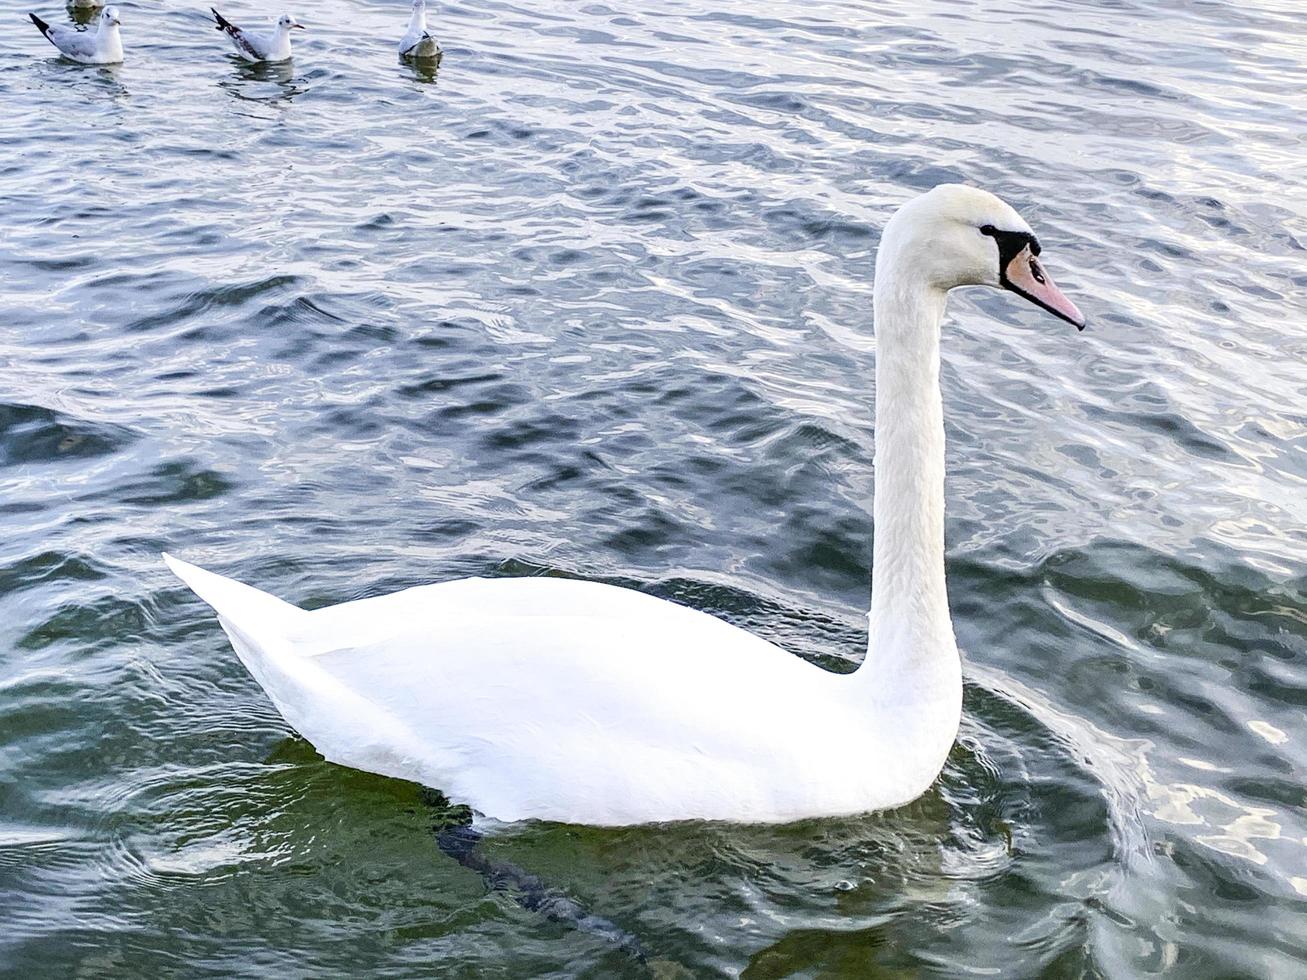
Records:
x=989, y=230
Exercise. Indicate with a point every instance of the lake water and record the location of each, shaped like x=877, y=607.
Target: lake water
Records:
x=594, y=299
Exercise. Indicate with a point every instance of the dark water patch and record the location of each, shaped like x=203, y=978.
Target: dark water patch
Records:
x=46, y=568
x=33, y=434
x=100, y=622
x=202, y=301
x=433, y=386
x=178, y=482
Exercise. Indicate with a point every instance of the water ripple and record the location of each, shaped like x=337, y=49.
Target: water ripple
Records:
x=594, y=299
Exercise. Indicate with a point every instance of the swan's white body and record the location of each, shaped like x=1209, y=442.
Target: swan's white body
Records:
x=103, y=46
x=585, y=703
x=580, y=702
x=417, y=42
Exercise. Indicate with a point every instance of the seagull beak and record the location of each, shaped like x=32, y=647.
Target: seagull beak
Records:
x=299, y=25
x=1025, y=276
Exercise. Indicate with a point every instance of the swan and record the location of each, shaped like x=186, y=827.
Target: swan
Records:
x=586, y=703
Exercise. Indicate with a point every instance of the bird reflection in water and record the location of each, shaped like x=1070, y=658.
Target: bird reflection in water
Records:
x=82, y=15
x=275, y=80
x=424, y=69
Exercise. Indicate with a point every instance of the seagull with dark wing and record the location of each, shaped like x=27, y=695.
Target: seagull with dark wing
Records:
x=417, y=42
x=272, y=46
x=102, y=46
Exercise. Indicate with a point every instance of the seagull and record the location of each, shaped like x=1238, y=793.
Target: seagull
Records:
x=273, y=46
x=416, y=42
x=104, y=46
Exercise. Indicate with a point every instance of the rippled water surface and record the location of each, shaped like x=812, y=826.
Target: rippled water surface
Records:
x=593, y=299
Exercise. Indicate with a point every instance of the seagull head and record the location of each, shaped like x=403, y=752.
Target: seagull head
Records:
x=109, y=17
x=286, y=22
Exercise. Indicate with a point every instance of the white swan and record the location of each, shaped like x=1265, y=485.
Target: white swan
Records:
x=586, y=703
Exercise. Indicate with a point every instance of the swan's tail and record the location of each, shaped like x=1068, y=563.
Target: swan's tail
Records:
x=262, y=629
x=254, y=612
x=275, y=641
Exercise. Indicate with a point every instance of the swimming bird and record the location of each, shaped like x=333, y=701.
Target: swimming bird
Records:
x=586, y=703
x=272, y=46
x=103, y=46
x=417, y=42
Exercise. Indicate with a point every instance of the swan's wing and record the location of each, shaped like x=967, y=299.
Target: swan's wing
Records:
x=576, y=701
x=549, y=698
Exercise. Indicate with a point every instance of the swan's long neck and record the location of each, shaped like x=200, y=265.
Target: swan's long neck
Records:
x=911, y=653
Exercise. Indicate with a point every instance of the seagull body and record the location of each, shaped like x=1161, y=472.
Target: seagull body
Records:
x=271, y=46
x=103, y=46
x=416, y=42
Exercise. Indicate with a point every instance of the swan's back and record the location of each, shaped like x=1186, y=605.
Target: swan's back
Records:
x=555, y=699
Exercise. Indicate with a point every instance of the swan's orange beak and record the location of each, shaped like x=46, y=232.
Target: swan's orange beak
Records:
x=1025, y=275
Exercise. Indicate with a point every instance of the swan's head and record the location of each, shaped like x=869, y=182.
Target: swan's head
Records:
x=286, y=22
x=109, y=17
x=956, y=235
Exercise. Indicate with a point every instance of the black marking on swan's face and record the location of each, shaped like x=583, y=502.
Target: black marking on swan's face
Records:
x=1010, y=243
x=1020, y=271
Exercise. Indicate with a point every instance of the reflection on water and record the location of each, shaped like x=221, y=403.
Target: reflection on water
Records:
x=262, y=81
x=84, y=16
x=598, y=304
x=424, y=69
x=94, y=82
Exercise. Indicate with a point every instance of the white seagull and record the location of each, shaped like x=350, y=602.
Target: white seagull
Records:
x=417, y=42
x=272, y=46
x=103, y=46
x=586, y=703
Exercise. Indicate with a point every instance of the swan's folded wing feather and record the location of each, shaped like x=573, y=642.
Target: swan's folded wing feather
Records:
x=584, y=717
x=474, y=600
x=542, y=697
